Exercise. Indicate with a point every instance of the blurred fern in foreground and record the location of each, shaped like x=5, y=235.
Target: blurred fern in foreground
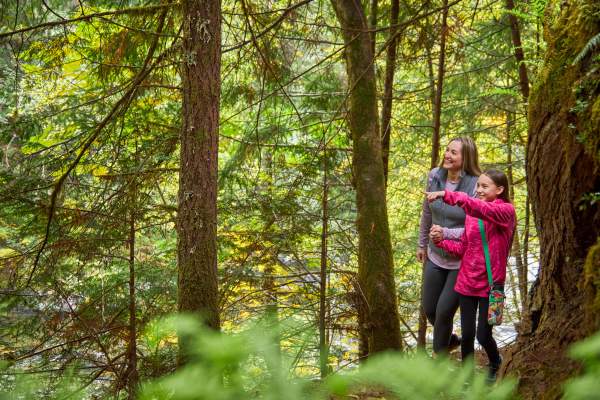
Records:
x=586, y=386
x=246, y=365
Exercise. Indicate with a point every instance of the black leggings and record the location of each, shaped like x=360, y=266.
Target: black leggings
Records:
x=468, y=312
x=440, y=303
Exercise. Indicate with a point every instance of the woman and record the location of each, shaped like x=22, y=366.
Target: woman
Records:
x=458, y=171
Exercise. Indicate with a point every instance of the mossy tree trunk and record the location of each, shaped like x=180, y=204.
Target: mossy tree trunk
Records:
x=563, y=166
x=515, y=34
x=375, y=262
x=197, y=216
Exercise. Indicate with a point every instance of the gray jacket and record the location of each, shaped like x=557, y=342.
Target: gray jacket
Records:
x=443, y=214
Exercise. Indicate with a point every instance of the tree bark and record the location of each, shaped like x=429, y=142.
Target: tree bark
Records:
x=197, y=216
x=386, y=109
x=132, y=373
x=516, y=245
x=375, y=262
x=323, y=343
x=562, y=173
x=525, y=278
x=436, y=107
x=522, y=263
x=437, y=104
x=422, y=330
x=373, y=24
x=269, y=284
x=515, y=33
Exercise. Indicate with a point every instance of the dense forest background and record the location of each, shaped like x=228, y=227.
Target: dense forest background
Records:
x=262, y=163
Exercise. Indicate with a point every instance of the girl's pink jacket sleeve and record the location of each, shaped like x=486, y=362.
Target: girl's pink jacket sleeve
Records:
x=456, y=247
x=497, y=213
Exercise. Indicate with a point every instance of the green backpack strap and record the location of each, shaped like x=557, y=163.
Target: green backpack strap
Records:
x=486, y=252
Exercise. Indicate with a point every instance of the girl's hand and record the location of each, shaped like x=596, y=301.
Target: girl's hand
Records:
x=432, y=196
x=436, y=234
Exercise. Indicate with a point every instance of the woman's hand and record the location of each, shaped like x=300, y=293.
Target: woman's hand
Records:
x=436, y=233
x=432, y=196
x=421, y=254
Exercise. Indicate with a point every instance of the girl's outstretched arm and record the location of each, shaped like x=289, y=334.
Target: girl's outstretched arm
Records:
x=497, y=212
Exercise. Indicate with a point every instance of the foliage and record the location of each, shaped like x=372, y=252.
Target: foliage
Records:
x=245, y=365
x=282, y=126
x=587, y=49
x=586, y=386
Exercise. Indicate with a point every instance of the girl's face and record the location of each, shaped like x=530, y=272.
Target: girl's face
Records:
x=453, y=156
x=487, y=190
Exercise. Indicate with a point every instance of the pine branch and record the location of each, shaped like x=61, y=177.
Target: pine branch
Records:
x=51, y=24
x=120, y=107
x=268, y=28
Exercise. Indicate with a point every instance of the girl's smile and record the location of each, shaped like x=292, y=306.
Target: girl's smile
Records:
x=487, y=190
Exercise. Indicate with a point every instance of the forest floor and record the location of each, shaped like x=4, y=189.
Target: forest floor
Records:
x=371, y=393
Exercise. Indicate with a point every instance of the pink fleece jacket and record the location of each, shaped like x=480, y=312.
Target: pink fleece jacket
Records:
x=499, y=220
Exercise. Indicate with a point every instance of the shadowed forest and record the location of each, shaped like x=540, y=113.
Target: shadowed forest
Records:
x=223, y=199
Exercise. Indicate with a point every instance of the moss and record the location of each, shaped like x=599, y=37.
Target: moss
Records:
x=563, y=88
x=592, y=142
x=592, y=276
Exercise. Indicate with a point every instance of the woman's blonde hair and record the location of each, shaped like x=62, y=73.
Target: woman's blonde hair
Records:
x=470, y=157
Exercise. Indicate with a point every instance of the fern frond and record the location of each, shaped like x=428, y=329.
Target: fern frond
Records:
x=589, y=46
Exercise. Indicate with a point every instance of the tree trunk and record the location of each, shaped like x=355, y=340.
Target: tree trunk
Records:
x=515, y=33
x=562, y=174
x=516, y=245
x=269, y=284
x=375, y=262
x=323, y=344
x=436, y=107
x=525, y=278
x=522, y=263
x=132, y=373
x=197, y=216
x=362, y=308
x=437, y=104
x=373, y=24
x=386, y=109
x=422, y=330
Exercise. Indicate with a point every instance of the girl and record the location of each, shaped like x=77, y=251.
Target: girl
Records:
x=457, y=172
x=498, y=214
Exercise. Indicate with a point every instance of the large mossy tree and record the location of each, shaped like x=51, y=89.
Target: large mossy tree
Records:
x=563, y=165
x=375, y=260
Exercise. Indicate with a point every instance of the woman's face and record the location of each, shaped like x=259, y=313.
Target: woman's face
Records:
x=453, y=156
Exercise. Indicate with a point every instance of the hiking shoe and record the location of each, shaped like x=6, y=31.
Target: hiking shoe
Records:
x=454, y=342
x=493, y=371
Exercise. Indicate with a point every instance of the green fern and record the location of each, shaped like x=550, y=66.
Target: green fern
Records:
x=590, y=45
x=538, y=7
